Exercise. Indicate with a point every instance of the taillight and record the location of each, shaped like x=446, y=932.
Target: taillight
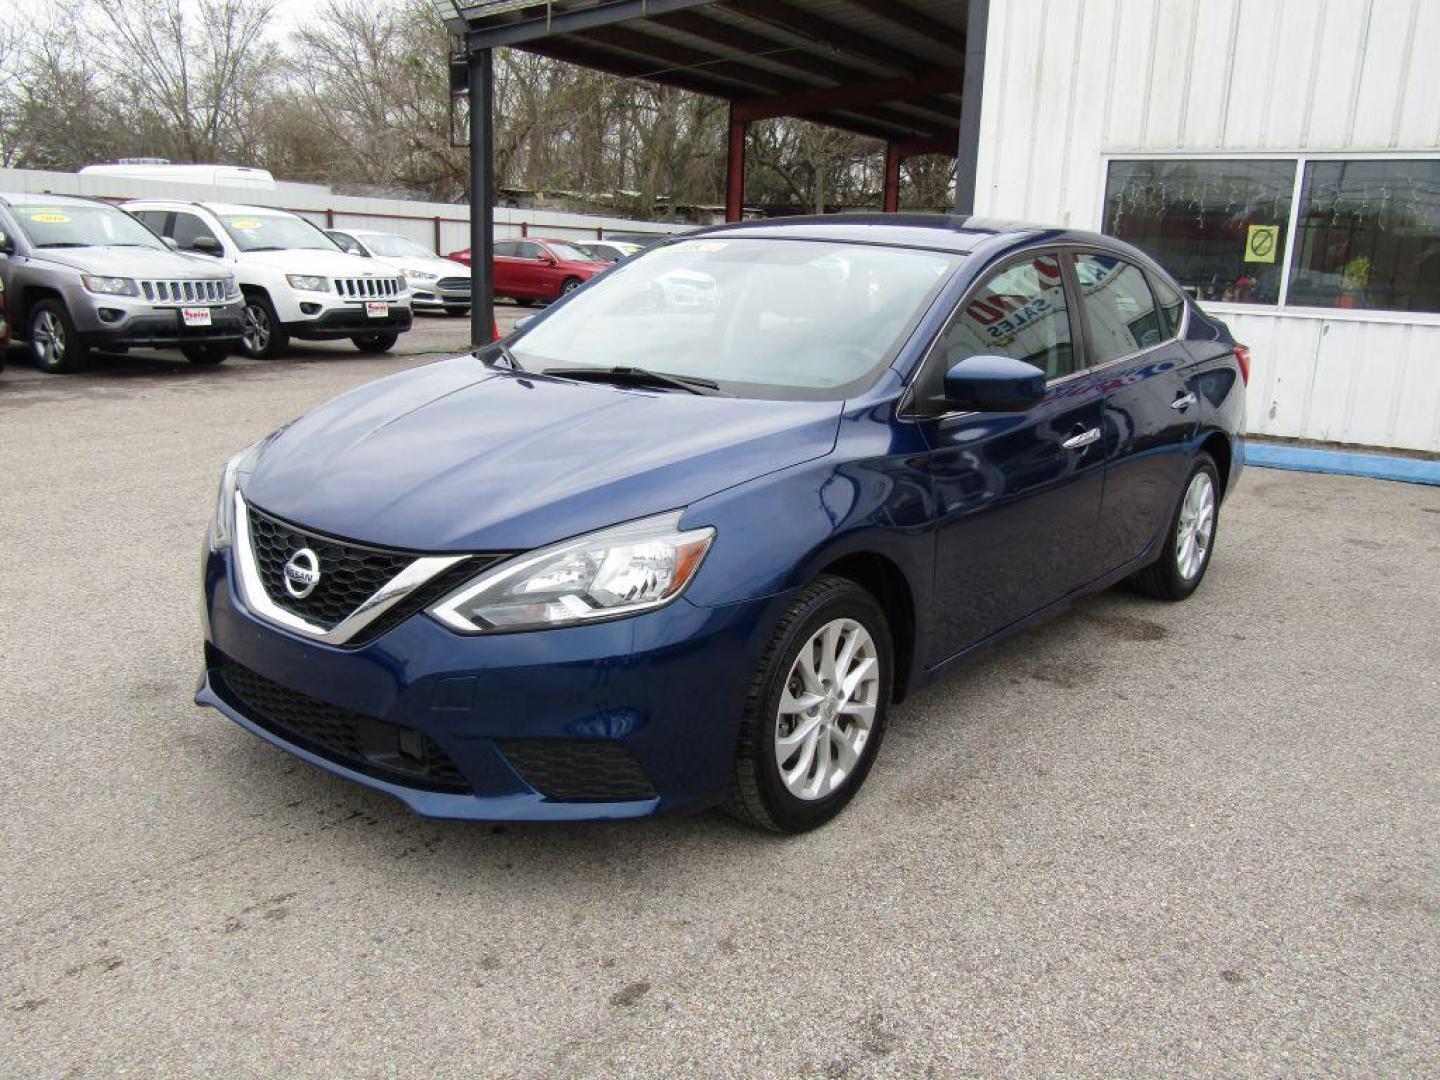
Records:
x=1242, y=357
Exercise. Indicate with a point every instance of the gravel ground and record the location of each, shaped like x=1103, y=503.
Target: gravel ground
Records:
x=1143, y=838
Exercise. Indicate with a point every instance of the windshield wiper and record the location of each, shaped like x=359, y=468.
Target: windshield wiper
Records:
x=267, y=247
x=64, y=244
x=635, y=376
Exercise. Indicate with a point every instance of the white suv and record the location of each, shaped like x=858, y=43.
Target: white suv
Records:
x=296, y=280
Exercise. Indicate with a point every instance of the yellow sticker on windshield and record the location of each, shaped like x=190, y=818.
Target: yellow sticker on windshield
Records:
x=49, y=217
x=246, y=223
x=700, y=245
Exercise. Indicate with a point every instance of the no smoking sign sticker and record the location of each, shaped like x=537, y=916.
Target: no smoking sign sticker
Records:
x=1260, y=243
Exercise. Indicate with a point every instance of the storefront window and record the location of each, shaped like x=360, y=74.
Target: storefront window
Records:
x=1218, y=226
x=1368, y=236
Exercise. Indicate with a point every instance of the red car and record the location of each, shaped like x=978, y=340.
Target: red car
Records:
x=537, y=269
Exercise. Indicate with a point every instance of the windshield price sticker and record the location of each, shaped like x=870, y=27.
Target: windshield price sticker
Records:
x=377, y=309
x=246, y=223
x=49, y=217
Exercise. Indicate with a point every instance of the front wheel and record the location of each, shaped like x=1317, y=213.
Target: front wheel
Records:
x=1186, y=556
x=569, y=285
x=375, y=343
x=56, y=346
x=262, y=337
x=815, y=711
x=457, y=313
x=205, y=355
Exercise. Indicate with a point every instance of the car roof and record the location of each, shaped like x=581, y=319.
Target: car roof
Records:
x=31, y=198
x=943, y=232
x=214, y=207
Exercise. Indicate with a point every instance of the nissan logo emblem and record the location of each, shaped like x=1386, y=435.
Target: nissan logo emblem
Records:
x=302, y=573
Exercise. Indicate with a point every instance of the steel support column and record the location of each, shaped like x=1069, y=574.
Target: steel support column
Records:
x=735, y=169
x=892, y=178
x=482, y=196
x=969, y=148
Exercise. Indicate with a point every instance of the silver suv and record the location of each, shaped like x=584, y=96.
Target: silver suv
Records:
x=81, y=275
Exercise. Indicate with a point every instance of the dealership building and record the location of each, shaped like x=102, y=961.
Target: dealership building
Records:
x=1281, y=157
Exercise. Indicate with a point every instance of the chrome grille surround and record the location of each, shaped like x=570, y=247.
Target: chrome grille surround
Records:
x=367, y=288
x=186, y=290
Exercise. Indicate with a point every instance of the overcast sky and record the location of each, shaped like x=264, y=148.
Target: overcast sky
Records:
x=288, y=13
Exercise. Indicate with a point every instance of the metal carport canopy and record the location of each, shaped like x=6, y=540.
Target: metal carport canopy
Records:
x=907, y=72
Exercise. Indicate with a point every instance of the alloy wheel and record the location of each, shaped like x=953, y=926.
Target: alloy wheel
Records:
x=1197, y=526
x=48, y=337
x=256, y=332
x=827, y=709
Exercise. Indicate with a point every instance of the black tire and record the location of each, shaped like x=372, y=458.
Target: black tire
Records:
x=569, y=285
x=375, y=343
x=1163, y=579
x=206, y=355
x=263, y=338
x=457, y=313
x=54, y=343
x=758, y=794
x=525, y=301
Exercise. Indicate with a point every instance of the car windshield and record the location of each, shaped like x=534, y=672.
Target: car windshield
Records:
x=762, y=318
x=275, y=232
x=569, y=252
x=92, y=225
x=396, y=246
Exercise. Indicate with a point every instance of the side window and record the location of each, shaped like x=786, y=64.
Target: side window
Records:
x=188, y=228
x=1019, y=312
x=1120, y=313
x=506, y=248
x=1171, y=301
x=346, y=241
x=154, y=220
x=530, y=251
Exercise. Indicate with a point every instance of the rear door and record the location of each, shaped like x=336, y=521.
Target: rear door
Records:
x=504, y=266
x=1017, y=494
x=1151, y=409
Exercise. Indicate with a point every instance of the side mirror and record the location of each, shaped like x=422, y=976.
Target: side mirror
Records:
x=548, y=260
x=206, y=245
x=7, y=244
x=169, y=242
x=994, y=384
x=355, y=249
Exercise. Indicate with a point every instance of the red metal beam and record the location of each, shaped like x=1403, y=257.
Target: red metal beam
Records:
x=858, y=95
x=735, y=170
x=892, y=178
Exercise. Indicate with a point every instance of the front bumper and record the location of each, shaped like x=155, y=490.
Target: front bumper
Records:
x=663, y=691
x=348, y=321
x=429, y=296
x=121, y=321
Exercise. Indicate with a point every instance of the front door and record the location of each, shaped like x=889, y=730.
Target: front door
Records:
x=1151, y=409
x=1017, y=494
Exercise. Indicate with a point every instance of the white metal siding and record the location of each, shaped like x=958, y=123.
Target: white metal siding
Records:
x=1068, y=81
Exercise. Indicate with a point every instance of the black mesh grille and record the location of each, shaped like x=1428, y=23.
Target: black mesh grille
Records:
x=388, y=751
x=454, y=283
x=578, y=770
x=349, y=573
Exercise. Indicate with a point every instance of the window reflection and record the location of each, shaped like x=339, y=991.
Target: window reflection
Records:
x=1218, y=226
x=1368, y=236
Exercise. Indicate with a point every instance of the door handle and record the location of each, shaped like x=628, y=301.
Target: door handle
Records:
x=1184, y=401
x=1082, y=439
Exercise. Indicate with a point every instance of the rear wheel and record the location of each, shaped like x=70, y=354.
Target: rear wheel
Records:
x=262, y=337
x=56, y=346
x=525, y=301
x=206, y=355
x=815, y=711
x=375, y=343
x=1186, y=556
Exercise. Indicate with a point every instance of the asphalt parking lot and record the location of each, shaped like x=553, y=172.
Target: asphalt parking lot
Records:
x=1143, y=838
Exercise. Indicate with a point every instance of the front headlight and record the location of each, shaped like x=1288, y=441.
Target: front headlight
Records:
x=110, y=286
x=222, y=527
x=620, y=571
x=307, y=283
x=419, y=275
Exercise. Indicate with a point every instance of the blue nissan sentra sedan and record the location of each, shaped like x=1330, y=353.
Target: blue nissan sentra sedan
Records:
x=683, y=539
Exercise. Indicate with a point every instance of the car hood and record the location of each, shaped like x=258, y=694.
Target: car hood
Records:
x=438, y=267
x=132, y=262
x=316, y=261
x=456, y=456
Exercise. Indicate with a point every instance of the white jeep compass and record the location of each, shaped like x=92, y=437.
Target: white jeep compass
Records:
x=297, y=282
